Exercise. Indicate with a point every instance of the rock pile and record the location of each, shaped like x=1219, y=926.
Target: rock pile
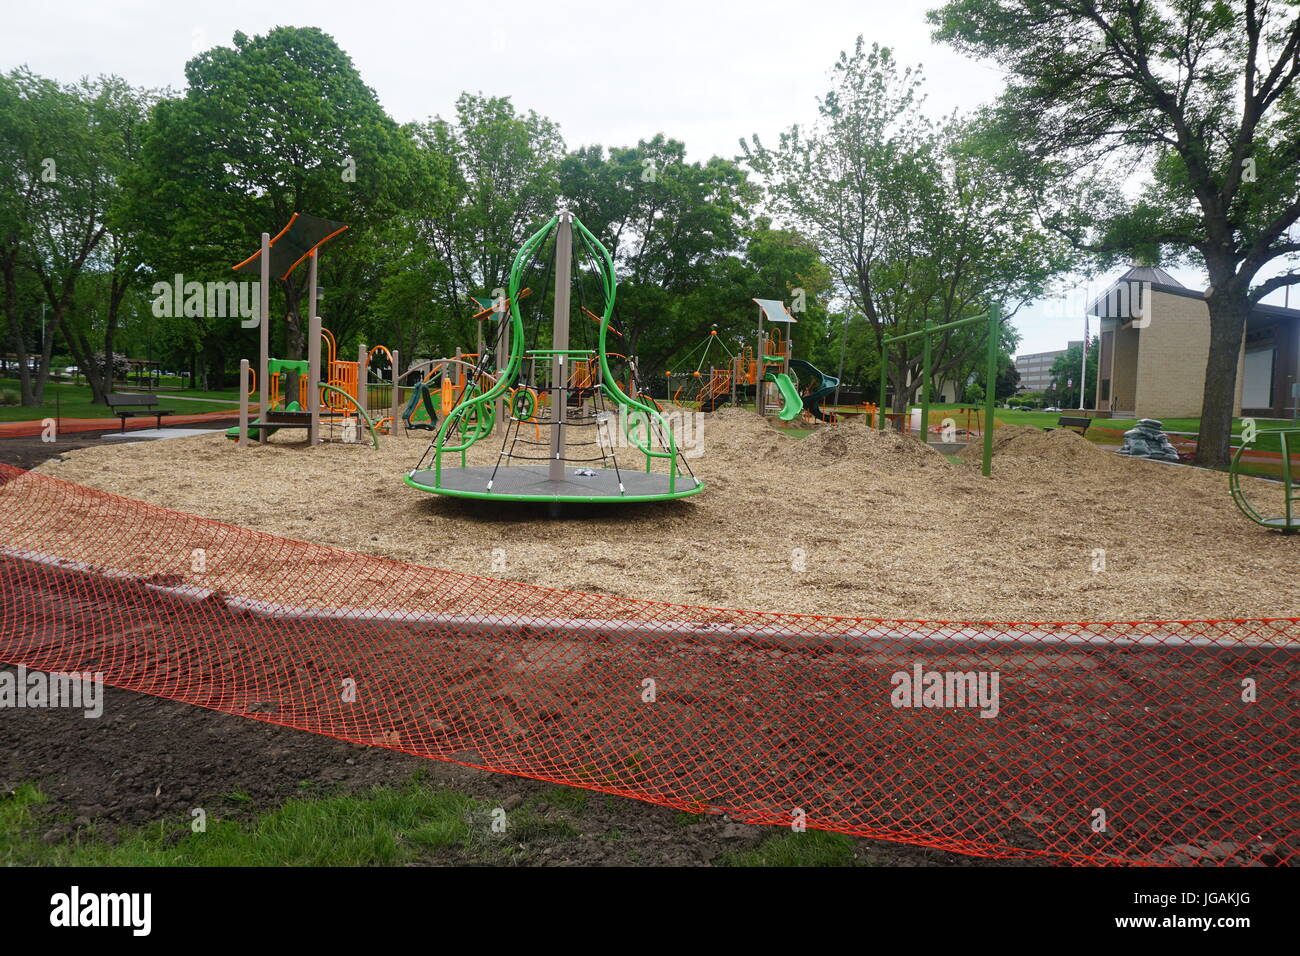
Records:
x=1147, y=440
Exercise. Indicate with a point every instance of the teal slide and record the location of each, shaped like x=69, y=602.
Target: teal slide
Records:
x=793, y=403
x=827, y=384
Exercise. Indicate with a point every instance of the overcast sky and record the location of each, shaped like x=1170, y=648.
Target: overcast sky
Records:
x=608, y=72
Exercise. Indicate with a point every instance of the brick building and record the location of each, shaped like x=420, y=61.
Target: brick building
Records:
x=1155, y=339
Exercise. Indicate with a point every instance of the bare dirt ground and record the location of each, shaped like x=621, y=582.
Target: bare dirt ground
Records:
x=847, y=522
x=149, y=759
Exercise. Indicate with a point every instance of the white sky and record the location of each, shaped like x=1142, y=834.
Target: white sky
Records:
x=608, y=72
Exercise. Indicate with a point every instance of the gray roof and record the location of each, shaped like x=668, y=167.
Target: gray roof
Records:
x=1125, y=292
x=1153, y=274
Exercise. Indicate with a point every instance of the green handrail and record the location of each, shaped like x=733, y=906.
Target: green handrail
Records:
x=374, y=435
x=1288, y=523
x=609, y=384
x=512, y=366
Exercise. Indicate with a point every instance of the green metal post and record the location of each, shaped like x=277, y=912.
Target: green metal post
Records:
x=990, y=387
x=925, y=381
x=884, y=361
x=1286, y=476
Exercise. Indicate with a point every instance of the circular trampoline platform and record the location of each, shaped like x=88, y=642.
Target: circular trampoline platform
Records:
x=533, y=483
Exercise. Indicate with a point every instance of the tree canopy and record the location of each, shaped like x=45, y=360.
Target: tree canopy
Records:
x=1199, y=99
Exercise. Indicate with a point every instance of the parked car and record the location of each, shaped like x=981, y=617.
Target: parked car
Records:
x=1051, y=408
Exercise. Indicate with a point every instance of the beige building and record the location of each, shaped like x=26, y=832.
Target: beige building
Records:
x=1155, y=339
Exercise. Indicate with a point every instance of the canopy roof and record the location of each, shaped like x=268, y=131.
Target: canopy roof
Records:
x=774, y=310
x=295, y=242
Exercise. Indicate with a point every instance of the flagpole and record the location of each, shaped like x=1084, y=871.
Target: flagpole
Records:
x=1083, y=371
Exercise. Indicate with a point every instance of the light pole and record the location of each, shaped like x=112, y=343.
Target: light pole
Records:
x=844, y=337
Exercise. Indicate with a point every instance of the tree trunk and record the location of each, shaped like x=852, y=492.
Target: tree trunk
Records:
x=1228, y=306
x=81, y=350
x=904, y=395
x=16, y=330
x=215, y=366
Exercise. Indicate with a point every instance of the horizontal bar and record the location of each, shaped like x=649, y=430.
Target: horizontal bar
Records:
x=937, y=328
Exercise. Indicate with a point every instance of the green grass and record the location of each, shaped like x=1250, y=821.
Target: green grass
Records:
x=1007, y=416
x=810, y=848
x=1265, y=442
x=387, y=826
x=74, y=402
x=573, y=799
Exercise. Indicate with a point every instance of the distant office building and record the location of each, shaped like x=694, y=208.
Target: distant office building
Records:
x=1036, y=368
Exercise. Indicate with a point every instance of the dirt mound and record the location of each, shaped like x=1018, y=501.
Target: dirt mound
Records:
x=853, y=442
x=1029, y=444
x=737, y=434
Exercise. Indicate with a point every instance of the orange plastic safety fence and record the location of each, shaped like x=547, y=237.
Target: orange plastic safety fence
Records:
x=1154, y=742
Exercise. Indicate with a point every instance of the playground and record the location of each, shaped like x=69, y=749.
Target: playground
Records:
x=498, y=544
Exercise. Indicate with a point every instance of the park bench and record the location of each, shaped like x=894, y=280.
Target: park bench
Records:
x=1081, y=422
x=129, y=404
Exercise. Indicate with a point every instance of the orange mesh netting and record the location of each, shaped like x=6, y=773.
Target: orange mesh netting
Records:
x=1104, y=742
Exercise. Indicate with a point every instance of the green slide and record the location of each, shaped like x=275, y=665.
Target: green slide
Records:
x=793, y=403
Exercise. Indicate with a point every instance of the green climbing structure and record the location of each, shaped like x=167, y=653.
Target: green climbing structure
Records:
x=558, y=474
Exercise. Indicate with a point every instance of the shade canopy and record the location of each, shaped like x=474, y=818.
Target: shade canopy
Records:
x=774, y=310
x=294, y=243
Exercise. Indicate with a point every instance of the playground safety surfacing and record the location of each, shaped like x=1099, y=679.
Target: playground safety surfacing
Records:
x=533, y=483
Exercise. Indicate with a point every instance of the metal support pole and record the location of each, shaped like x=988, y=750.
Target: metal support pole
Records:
x=313, y=379
x=884, y=375
x=844, y=338
x=990, y=387
x=925, y=381
x=363, y=379
x=758, y=367
x=264, y=333
x=243, y=403
x=1083, y=368
x=313, y=354
x=503, y=355
x=312, y=287
x=396, y=402
x=560, y=341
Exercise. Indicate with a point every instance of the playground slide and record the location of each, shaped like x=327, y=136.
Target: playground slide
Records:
x=421, y=397
x=812, y=401
x=793, y=403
